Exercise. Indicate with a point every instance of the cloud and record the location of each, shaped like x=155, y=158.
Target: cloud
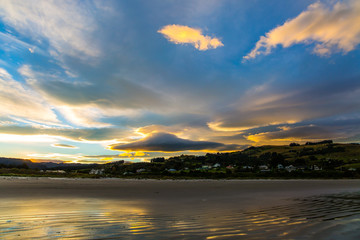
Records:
x=60, y=156
x=67, y=25
x=79, y=135
x=87, y=103
x=19, y=100
x=332, y=29
x=125, y=155
x=343, y=129
x=84, y=116
x=288, y=134
x=61, y=145
x=179, y=34
x=10, y=42
x=272, y=104
x=165, y=142
x=12, y=138
x=298, y=134
x=112, y=92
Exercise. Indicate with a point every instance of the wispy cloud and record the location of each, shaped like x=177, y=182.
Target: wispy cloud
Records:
x=10, y=42
x=332, y=29
x=74, y=157
x=13, y=138
x=67, y=25
x=61, y=145
x=21, y=101
x=85, y=103
x=77, y=135
x=126, y=155
x=179, y=34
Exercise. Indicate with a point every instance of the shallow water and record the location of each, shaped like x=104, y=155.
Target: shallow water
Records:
x=335, y=216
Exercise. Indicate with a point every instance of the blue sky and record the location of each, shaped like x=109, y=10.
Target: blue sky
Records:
x=95, y=81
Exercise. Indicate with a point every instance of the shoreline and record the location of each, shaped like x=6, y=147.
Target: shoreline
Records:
x=175, y=179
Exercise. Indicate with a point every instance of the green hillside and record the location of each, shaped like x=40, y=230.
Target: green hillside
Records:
x=347, y=154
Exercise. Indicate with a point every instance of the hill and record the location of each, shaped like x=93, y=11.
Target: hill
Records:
x=312, y=160
x=26, y=163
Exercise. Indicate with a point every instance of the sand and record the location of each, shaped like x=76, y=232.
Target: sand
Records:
x=169, y=193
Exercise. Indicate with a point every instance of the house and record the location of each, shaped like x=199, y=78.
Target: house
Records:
x=316, y=168
x=205, y=167
x=248, y=167
x=140, y=170
x=280, y=167
x=55, y=171
x=216, y=165
x=172, y=170
x=264, y=168
x=290, y=168
x=230, y=167
x=97, y=171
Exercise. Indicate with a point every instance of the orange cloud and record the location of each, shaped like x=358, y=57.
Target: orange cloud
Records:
x=179, y=34
x=335, y=29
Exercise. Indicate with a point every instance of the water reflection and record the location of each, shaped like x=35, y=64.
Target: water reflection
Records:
x=318, y=217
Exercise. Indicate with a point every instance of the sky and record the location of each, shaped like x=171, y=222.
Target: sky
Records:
x=99, y=81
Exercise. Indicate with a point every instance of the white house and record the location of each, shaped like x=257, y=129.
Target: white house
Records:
x=55, y=171
x=263, y=168
x=216, y=165
x=290, y=168
x=205, y=167
x=316, y=168
x=247, y=167
x=97, y=171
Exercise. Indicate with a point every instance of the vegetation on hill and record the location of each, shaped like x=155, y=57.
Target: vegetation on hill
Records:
x=313, y=160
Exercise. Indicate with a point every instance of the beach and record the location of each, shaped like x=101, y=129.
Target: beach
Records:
x=178, y=209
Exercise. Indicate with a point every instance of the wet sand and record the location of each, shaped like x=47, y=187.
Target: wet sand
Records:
x=174, y=192
x=179, y=209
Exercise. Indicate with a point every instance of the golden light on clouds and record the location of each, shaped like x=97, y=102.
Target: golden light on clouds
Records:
x=133, y=154
x=216, y=126
x=335, y=29
x=265, y=139
x=179, y=34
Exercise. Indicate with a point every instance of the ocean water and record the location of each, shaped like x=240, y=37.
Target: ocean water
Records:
x=335, y=216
